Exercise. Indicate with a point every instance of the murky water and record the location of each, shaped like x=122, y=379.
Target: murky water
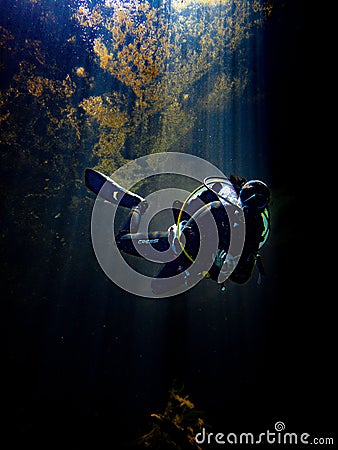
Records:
x=96, y=84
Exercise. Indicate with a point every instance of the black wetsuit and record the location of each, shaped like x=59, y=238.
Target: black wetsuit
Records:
x=130, y=241
x=177, y=260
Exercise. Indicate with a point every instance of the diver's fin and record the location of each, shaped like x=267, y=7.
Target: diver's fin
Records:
x=107, y=189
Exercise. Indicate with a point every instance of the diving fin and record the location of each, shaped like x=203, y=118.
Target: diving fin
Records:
x=108, y=190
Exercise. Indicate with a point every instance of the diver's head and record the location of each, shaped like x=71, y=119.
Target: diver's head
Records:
x=254, y=195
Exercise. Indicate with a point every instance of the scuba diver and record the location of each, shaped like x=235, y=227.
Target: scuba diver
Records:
x=230, y=201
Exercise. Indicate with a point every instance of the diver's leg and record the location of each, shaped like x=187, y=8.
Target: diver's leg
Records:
x=134, y=218
x=130, y=241
x=109, y=190
x=143, y=245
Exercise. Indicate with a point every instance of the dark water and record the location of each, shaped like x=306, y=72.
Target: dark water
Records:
x=88, y=358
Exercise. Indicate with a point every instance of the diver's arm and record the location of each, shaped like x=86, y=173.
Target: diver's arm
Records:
x=246, y=264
